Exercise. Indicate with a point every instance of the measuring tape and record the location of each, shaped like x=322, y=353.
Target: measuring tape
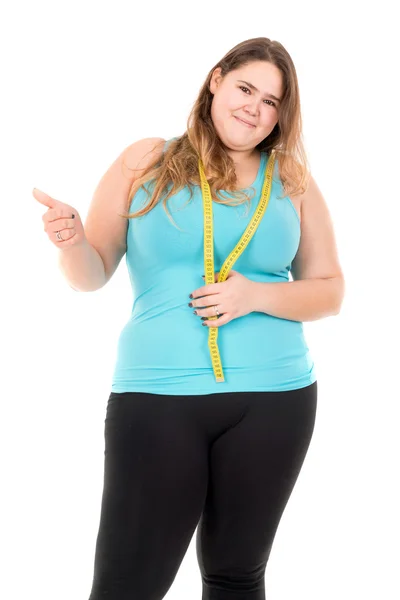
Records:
x=233, y=256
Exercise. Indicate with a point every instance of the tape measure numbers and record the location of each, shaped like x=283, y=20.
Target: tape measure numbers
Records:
x=234, y=255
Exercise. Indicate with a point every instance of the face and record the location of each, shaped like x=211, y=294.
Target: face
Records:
x=234, y=100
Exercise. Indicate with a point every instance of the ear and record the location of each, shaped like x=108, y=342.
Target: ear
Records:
x=215, y=80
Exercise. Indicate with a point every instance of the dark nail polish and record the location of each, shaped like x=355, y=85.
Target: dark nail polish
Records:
x=190, y=304
x=190, y=295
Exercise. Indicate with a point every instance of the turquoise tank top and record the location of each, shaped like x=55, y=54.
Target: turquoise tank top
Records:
x=163, y=347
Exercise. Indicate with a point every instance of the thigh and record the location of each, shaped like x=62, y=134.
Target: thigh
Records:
x=155, y=482
x=253, y=469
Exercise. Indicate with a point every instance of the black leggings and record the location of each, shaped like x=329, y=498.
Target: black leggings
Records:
x=225, y=462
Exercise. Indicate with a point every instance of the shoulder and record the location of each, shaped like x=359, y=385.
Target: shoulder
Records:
x=143, y=152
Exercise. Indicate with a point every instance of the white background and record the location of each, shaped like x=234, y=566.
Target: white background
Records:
x=81, y=81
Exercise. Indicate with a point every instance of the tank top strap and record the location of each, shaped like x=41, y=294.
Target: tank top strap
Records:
x=168, y=142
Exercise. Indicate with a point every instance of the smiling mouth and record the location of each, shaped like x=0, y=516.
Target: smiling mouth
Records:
x=245, y=124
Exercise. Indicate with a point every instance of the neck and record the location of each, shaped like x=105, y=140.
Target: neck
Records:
x=241, y=159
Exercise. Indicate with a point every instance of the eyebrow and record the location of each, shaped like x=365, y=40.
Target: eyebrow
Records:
x=253, y=87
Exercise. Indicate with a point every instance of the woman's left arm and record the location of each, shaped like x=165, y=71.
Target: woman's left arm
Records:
x=318, y=285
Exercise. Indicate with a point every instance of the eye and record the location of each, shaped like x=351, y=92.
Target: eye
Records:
x=242, y=87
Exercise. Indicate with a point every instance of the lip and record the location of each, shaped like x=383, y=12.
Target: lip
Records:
x=244, y=122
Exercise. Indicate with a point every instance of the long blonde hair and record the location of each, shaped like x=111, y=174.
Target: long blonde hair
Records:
x=179, y=163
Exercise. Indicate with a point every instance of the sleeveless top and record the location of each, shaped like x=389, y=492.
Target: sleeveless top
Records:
x=163, y=347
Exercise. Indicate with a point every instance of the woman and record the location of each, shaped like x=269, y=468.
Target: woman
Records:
x=206, y=430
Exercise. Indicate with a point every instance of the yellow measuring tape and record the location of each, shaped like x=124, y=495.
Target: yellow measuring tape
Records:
x=234, y=255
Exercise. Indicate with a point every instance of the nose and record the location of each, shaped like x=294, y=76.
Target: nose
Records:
x=251, y=110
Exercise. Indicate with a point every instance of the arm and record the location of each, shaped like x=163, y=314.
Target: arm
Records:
x=318, y=285
x=82, y=267
x=306, y=300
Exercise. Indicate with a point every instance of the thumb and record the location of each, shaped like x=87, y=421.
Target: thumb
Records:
x=44, y=198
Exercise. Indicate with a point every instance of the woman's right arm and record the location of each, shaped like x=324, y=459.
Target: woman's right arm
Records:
x=90, y=266
x=82, y=267
x=89, y=255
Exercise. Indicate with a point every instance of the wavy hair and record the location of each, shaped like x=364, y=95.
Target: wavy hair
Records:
x=178, y=166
